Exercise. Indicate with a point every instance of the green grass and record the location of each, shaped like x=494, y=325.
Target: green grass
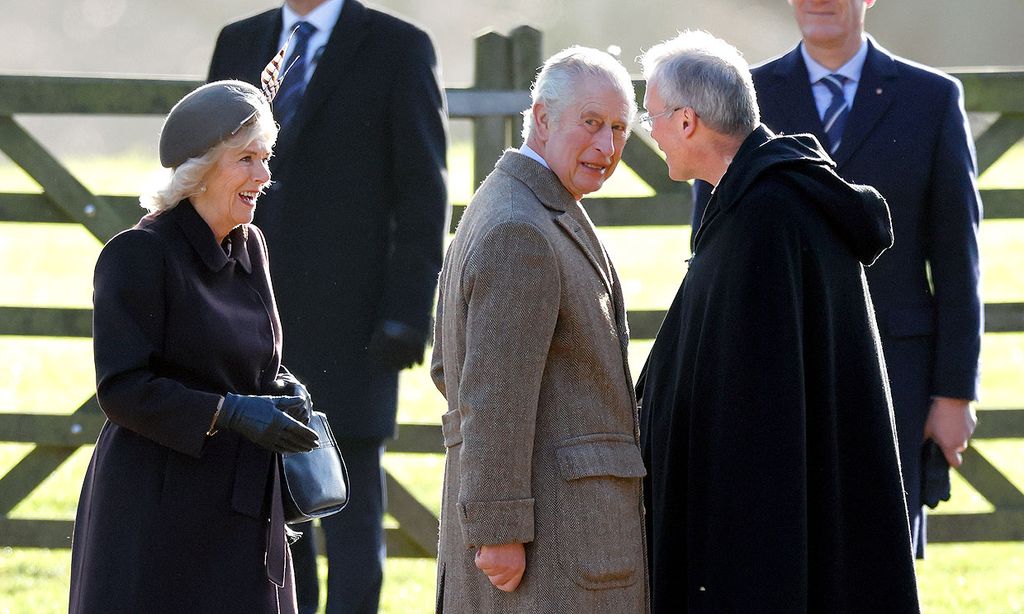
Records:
x=48, y=265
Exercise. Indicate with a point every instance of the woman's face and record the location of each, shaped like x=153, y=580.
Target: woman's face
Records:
x=232, y=186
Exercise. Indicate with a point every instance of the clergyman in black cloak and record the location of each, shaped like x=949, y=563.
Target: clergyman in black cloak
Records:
x=767, y=428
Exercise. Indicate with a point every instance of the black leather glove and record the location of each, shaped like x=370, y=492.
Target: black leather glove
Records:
x=262, y=420
x=286, y=384
x=396, y=345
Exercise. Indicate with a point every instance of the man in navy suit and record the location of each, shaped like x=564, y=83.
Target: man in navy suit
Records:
x=904, y=131
x=355, y=223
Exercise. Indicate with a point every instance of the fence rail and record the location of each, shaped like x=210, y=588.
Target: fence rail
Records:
x=505, y=67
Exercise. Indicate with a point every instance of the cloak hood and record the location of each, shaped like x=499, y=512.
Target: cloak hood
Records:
x=858, y=212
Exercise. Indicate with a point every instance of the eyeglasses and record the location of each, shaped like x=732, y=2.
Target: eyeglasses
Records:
x=647, y=120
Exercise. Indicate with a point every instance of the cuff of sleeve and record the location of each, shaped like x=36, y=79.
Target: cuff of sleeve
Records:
x=497, y=522
x=958, y=386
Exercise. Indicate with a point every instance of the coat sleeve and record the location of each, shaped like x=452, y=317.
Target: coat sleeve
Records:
x=437, y=352
x=953, y=217
x=130, y=300
x=417, y=127
x=511, y=286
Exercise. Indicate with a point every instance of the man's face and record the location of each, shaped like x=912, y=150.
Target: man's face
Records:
x=830, y=23
x=584, y=144
x=667, y=134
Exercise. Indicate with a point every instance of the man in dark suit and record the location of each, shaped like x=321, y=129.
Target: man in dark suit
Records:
x=355, y=221
x=900, y=127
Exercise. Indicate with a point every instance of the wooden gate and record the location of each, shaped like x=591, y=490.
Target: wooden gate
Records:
x=505, y=67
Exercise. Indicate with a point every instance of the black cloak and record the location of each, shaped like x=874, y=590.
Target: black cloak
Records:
x=767, y=428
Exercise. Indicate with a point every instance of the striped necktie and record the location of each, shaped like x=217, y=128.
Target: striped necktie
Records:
x=294, y=84
x=837, y=111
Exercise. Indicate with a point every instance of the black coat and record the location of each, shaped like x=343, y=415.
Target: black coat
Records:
x=171, y=520
x=774, y=483
x=357, y=215
x=907, y=137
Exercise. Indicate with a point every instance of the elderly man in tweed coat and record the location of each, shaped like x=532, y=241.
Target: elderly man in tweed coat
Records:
x=542, y=507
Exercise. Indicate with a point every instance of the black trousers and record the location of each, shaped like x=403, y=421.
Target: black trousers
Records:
x=354, y=539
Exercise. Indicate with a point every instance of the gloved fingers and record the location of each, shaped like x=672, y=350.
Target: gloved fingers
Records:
x=286, y=402
x=296, y=407
x=285, y=444
x=300, y=437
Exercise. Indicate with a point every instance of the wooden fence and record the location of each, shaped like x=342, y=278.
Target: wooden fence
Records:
x=505, y=67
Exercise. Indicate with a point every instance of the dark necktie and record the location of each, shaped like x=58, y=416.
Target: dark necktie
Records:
x=837, y=111
x=294, y=84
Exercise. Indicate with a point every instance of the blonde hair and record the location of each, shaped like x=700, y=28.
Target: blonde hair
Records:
x=186, y=179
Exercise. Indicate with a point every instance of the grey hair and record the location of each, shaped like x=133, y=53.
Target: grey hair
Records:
x=186, y=179
x=698, y=70
x=561, y=73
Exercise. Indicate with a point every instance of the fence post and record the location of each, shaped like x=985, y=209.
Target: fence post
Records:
x=492, y=72
x=526, y=60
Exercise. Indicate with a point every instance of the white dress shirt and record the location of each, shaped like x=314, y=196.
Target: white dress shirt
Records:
x=322, y=18
x=851, y=70
x=529, y=153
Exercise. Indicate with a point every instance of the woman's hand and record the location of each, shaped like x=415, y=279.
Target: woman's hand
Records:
x=264, y=421
x=286, y=384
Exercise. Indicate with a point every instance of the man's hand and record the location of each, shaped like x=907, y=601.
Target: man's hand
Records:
x=504, y=565
x=396, y=346
x=950, y=424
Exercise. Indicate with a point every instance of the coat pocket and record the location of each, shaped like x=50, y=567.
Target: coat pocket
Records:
x=599, y=526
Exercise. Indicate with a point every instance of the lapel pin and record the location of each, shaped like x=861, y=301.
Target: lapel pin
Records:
x=878, y=91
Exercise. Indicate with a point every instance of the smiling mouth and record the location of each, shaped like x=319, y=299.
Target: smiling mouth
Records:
x=249, y=197
x=600, y=168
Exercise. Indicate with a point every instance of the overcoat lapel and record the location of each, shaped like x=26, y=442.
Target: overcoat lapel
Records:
x=266, y=43
x=575, y=231
x=554, y=196
x=792, y=92
x=875, y=93
x=349, y=32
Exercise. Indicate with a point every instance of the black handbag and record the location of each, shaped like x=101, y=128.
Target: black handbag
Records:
x=314, y=484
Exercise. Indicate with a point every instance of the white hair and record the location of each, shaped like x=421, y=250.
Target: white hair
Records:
x=186, y=179
x=556, y=82
x=698, y=70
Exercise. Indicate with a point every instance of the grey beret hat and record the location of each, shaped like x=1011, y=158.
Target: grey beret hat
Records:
x=204, y=118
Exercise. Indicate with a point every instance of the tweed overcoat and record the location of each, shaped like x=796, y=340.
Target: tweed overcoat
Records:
x=171, y=520
x=541, y=430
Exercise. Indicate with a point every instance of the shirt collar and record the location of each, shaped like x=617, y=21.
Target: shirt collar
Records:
x=529, y=153
x=322, y=17
x=851, y=70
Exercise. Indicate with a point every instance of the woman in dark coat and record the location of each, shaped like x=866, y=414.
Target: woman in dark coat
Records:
x=180, y=510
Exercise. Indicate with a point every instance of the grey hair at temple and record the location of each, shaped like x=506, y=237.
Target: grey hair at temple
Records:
x=701, y=71
x=557, y=80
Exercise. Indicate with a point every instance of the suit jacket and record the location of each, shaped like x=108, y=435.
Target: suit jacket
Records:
x=907, y=136
x=170, y=519
x=356, y=218
x=541, y=431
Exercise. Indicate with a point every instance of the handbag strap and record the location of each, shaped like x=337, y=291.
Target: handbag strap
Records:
x=276, y=545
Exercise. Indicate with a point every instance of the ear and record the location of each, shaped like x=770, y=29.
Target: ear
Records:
x=541, y=121
x=689, y=121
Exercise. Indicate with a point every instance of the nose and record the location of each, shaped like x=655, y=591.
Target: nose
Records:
x=604, y=140
x=261, y=173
